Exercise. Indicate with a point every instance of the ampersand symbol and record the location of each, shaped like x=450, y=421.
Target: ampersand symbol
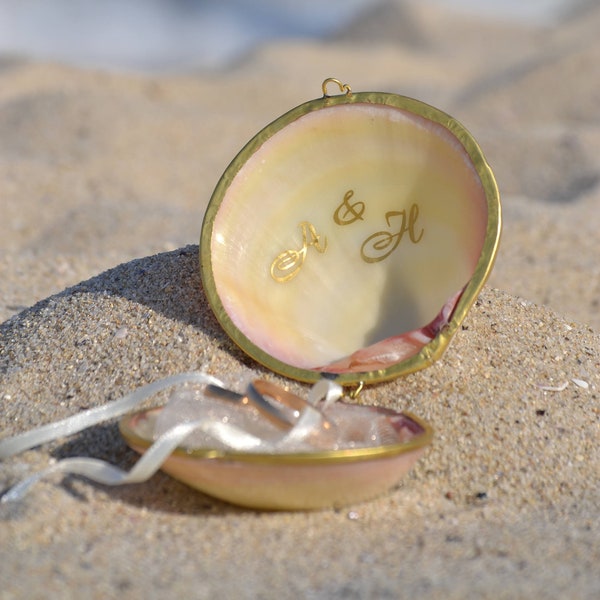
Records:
x=347, y=213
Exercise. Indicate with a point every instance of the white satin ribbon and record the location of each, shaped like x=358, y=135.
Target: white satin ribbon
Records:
x=107, y=474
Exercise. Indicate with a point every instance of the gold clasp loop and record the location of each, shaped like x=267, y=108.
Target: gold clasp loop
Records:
x=353, y=395
x=344, y=87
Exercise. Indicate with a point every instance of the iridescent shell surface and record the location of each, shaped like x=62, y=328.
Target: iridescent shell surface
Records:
x=350, y=237
x=292, y=481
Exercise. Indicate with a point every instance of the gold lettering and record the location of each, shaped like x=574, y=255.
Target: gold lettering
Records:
x=380, y=245
x=287, y=264
x=351, y=212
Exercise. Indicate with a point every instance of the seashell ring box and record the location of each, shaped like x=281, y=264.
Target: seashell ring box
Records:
x=343, y=245
x=346, y=241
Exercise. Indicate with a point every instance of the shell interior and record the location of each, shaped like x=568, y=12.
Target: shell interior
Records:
x=342, y=237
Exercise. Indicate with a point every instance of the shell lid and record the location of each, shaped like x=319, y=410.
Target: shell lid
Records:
x=349, y=238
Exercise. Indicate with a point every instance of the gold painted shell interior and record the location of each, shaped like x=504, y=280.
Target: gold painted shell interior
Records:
x=350, y=237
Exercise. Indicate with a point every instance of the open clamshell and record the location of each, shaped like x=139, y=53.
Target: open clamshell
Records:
x=350, y=237
x=344, y=244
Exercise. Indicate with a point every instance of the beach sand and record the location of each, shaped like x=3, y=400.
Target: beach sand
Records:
x=105, y=180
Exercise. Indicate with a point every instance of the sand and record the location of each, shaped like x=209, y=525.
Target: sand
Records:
x=105, y=180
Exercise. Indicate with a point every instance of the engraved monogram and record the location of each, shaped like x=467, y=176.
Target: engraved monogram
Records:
x=381, y=244
x=288, y=263
x=375, y=248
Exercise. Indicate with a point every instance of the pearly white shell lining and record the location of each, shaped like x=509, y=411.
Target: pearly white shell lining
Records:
x=285, y=198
